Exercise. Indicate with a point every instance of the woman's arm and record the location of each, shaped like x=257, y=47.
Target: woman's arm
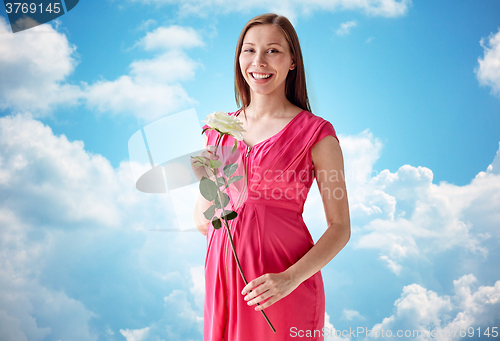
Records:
x=329, y=168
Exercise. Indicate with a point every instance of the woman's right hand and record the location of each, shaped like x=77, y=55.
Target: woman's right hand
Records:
x=200, y=170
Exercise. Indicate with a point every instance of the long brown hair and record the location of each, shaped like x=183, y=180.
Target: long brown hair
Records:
x=295, y=84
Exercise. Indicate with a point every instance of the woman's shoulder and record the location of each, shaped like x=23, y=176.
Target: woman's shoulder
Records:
x=315, y=118
x=318, y=126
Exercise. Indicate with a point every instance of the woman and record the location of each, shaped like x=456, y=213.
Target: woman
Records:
x=284, y=147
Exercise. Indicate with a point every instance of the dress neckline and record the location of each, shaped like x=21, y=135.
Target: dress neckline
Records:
x=275, y=135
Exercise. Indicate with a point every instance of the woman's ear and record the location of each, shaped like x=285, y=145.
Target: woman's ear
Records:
x=292, y=66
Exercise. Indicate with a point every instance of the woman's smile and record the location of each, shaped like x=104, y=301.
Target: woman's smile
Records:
x=261, y=77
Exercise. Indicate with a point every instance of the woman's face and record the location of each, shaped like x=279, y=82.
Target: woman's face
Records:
x=265, y=59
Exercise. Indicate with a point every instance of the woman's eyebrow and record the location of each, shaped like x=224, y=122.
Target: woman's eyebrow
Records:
x=248, y=43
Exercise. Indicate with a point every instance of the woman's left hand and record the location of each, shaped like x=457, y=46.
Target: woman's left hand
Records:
x=270, y=286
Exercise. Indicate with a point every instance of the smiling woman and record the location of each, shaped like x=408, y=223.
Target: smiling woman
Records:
x=277, y=254
x=285, y=39
x=265, y=60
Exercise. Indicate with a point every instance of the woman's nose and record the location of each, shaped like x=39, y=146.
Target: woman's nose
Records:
x=259, y=60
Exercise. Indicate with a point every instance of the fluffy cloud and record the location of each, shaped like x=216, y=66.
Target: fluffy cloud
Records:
x=62, y=175
x=147, y=101
x=153, y=87
x=180, y=321
x=360, y=153
x=404, y=214
x=349, y=315
x=34, y=66
x=423, y=310
x=345, y=28
x=332, y=334
x=385, y=8
x=488, y=71
x=170, y=38
x=135, y=335
x=77, y=259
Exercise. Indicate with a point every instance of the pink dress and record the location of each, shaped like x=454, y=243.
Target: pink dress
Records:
x=269, y=236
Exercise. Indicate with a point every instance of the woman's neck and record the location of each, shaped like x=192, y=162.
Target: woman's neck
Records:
x=267, y=106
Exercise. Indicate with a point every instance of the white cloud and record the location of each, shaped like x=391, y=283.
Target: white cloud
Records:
x=488, y=71
x=420, y=309
x=494, y=167
x=172, y=37
x=67, y=219
x=384, y=8
x=32, y=312
x=146, y=101
x=349, y=315
x=404, y=215
x=61, y=173
x=34, y=66
x=345, y=28
x=170, y=67
x=153, y=88
x=332, y=334
x=391, y=264
x=135, y=335
x=146, y=24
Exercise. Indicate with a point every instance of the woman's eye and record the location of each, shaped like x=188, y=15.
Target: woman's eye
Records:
x=248, y=50
x=273, y=51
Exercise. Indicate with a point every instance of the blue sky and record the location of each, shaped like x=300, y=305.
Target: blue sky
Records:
x=412, y=89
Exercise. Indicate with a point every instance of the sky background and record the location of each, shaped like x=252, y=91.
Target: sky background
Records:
x=412, y=89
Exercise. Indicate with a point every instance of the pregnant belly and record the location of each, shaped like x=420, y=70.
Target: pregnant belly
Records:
x=270, y=239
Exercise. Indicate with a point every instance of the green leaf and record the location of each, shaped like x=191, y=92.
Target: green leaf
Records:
x=221, y=181
x=205, y=130
x=234, y=178
x=230, y=215
x=208, y=189
x=230, y=169
x=225, y=199
x=215, y=164
x=235, y=146
x=216, y=222
x=209, y=213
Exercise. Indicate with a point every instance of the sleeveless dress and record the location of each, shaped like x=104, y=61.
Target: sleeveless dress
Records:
x=269, y=235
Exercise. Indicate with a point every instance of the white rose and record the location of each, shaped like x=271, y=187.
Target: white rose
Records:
x=225, y=123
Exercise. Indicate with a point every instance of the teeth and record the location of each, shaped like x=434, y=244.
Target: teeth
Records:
x=260, y=75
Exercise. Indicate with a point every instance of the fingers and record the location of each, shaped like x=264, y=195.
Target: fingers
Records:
x=266, y=304
x=256, y=292
x=253, y=284
x=267, y=290
x=256, y=296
